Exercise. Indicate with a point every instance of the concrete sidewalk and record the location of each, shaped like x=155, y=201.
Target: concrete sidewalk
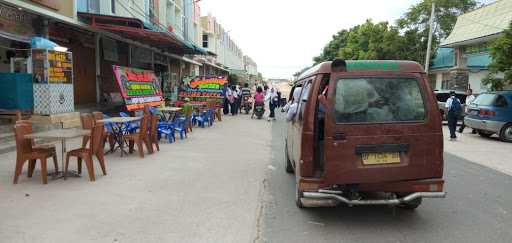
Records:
x=490, y=152
x=203, y=189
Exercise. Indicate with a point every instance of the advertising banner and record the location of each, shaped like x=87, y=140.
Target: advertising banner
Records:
x=202, y=89
x=138, y=87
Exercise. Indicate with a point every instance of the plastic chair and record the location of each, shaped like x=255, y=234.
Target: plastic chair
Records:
x=86, y=154
x=167, y=130
x=26, y=152
x=181, y=127
x=129, y=127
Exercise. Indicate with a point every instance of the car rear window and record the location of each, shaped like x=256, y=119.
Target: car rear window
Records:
x=485, y=99
x=378, y=100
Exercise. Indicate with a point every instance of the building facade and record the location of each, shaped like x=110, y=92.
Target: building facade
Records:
x=463, y=60
x=227, y=54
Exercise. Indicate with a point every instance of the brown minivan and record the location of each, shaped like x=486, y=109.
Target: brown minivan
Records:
x=366, y=134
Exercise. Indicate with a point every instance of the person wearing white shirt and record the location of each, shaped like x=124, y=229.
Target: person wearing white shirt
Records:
x=469, y=99
x=452, y=114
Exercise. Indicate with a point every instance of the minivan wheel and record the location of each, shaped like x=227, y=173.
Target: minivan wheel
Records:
x=288, y=164
x=412, y=204
x=506, y=133
x=485, y=134
x=298, y=195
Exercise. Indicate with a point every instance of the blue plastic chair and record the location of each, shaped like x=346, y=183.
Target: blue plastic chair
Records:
x=152, y=110
x=108, y=125
x=129, y=127
x=202, y=119
x=181, y=124
x=166, y=129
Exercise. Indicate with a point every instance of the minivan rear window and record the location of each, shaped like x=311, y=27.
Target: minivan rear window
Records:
x=378, y=100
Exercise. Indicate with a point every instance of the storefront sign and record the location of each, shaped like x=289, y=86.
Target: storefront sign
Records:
x=138, y=87
x=60, y=67
x=202, y=89
x=15, y=24
x=49, y=66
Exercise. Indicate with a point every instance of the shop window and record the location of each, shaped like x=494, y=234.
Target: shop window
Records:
x=89, y=6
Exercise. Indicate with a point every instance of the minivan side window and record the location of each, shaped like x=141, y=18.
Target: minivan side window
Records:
x=378, y=100
x=303, y=99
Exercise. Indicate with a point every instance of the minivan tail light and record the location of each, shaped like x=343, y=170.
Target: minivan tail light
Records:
x=485, y=112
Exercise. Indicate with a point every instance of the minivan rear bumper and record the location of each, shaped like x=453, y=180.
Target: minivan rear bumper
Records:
x=485, y=125
x=325, y=198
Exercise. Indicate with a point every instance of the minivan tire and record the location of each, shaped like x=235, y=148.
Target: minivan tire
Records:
x=288, y=164
x=298, y=195
x=503, y=133
x=412, y=204
x=485, y=134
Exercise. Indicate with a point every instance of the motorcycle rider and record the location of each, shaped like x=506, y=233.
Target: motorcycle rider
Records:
x=259, y=99
x=246, y=92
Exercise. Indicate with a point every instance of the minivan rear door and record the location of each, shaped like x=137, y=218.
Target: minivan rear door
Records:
x=381, y=128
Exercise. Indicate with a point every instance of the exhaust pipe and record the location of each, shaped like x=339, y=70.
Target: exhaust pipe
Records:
x=332, y=198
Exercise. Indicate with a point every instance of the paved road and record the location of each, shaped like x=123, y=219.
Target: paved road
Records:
x=478, y=209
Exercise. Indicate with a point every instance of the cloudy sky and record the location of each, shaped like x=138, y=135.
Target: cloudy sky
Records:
x=283, y=36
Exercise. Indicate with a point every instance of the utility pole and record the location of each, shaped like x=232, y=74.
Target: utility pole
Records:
x=429, y=48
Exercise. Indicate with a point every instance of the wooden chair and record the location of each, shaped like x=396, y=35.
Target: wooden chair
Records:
x=26, y=152
x=86, y=154
x=87, y=123
x=153, y=132
x=139, y=138
x=34, y=144
x=108, y=134
x=212, y=104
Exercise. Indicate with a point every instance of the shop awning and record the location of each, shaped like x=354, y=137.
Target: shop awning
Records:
x=133, y=29
x=200, y=50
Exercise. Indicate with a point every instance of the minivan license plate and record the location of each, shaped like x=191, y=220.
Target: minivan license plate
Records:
x=380, y=158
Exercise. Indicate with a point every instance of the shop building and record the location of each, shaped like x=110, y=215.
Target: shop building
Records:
x=463, y=59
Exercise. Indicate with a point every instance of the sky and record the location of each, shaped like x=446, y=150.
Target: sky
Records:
x=283, y=36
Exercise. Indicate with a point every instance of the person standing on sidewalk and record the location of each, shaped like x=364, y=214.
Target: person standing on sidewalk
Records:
x=227, y=102
x=233, y=100
x=469, y=99
x=453, y=108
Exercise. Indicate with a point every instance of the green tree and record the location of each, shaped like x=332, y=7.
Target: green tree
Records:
x=330, y=51
x=233, y=79
x=501, y=53
x=407, y=40
x=260, y=77
x=367, y=41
